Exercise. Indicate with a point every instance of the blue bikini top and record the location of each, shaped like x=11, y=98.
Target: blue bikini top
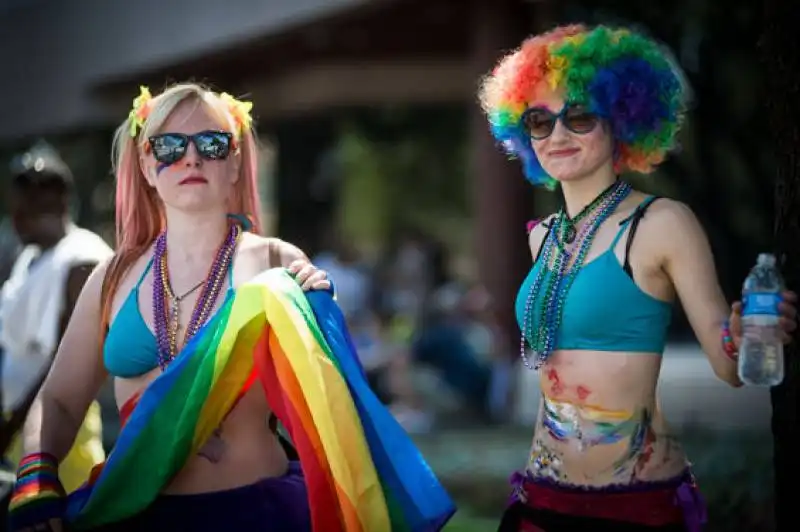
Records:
x=130, y=348
x=605, y=310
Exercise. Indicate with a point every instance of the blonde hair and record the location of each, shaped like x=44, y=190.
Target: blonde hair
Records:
x=139, y=212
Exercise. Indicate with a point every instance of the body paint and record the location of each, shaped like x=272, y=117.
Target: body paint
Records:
x=160, y=167
x=555, y=382
x=590, y=425
x=671, y=447
x=640, y=447
x=583, y=392
x=586, y=424
x=544, y=462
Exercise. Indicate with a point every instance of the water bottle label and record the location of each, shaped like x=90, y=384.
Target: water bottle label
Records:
x=761, y=304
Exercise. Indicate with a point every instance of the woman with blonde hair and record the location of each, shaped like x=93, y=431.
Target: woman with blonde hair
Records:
x=207, y=335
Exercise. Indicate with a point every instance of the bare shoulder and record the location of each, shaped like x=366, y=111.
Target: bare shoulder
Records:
x=253, y=243
x=128, y=278
x=265, y=247
x=671, y=225
x=670, y=217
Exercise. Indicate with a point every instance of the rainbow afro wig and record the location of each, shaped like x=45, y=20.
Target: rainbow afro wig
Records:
x=628, y=80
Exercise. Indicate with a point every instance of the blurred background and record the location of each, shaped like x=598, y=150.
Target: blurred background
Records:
x=377, y=162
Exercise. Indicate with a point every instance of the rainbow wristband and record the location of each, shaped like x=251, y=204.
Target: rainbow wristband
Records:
x=38, y=494
x=727, y=341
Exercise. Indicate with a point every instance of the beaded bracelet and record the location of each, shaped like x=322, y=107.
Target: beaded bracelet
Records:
x=38, y=494
x=727, y=341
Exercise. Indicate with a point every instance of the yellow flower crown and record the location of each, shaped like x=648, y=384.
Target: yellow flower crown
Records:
x=143, y=104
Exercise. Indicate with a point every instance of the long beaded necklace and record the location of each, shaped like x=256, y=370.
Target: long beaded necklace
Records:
x=167, y=319
x=559, y=267
x=568, y=231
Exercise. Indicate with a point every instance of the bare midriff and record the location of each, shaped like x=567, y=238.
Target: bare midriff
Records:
x=244, y=452
x=599, y=421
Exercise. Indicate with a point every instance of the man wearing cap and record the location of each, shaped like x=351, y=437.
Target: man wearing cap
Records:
x=38, y=298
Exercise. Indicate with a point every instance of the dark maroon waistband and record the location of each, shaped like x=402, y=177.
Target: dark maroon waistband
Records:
x=653, y=504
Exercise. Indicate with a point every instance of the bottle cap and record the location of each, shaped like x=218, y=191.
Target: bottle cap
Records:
x=766, y=259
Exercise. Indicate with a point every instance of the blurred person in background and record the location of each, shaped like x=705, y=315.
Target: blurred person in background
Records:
x=405, y=279
x=485, y=337
x=444, y=339
x=382, y=352
x=342, y=262
x=205, y=328
x=579, y=106
x=9, y=248
x=387, y=361
x=38, y=299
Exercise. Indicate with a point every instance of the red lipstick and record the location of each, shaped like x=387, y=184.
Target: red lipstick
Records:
x=193, y=180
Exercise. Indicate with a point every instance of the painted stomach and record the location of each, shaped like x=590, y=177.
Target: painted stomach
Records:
x=599, y=422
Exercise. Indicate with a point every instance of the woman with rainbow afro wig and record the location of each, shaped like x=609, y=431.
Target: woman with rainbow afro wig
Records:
x=620, y=76
x=223, y=346
x=578, y=106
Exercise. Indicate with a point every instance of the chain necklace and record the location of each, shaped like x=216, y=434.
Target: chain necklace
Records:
x=167, y=319
x=558, y=268
x=184, y=295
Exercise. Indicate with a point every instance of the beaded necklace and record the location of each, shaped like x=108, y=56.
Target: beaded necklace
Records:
x=568, y=231
x=166, y=320
x=563, y=264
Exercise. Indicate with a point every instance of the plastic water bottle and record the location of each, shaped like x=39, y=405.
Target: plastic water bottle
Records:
x=761, y=351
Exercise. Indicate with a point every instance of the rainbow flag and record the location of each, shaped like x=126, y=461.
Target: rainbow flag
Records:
x=363, y=472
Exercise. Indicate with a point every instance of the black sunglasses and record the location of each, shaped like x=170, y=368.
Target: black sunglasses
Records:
x=540, y=122
x=169, y=148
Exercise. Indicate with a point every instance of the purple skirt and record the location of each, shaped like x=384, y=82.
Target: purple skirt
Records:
x=275, y=504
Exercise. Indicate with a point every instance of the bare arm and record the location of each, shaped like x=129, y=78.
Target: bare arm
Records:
x=690, y=265
x=75, y=377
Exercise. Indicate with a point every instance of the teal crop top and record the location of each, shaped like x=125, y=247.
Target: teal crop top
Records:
x=130, y=348
x=605, y=310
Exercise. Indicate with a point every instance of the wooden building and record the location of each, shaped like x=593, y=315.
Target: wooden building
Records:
x=300, y=61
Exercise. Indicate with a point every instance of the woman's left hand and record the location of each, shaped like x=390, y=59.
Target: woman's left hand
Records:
x=308, y=276
x=787, y=310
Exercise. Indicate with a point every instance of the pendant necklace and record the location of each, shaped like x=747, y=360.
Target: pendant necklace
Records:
x=569, y=232
x=167, y=321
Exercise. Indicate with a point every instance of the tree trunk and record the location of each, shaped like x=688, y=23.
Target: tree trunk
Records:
x=781, y=55
x=500, y=192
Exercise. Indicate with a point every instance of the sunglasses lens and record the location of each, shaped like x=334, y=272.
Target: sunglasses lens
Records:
x=168, y=148
x=580, y=120
x=539, y=123
x=213, y=144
